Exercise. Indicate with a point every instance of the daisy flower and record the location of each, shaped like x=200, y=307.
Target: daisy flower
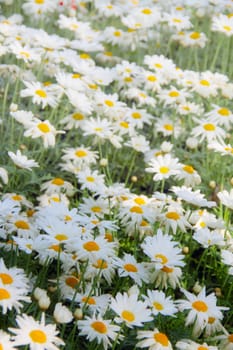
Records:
x=163, y=167
x=192, y=197
x=189, y=175
x=43, y=129
x=36, y=334
x=226, y=340
x=91, y=180
x=226, y=198
x=208, y=130
x=22, y=161
x=99, y=329
x=221, y=115
x=193, y=39
x=159, y=303
x=227, y=259
x=153, y=340
x=5, y=341
x=11, y=296
x=128, y=266
x=130, y=310
x=40, y=94
x=221, y=147
x=58, y=185
x=222, y=24
x=188, y=344
x=201, y=307
x=207, y=238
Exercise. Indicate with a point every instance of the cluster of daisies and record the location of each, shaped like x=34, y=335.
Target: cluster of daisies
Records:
x=115, y=174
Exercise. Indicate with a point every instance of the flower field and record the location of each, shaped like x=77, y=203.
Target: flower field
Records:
x=116, y=174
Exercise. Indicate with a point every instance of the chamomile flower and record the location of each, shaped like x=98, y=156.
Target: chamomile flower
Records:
x=207, y=238
x=13, y=276
x=221, y=115
x=91, y=180
x=36, y=334
x=153, y=340
x=163, y=167
x=57, y=185
x=99, y=329
x=189, y=175
x=130, y=310
x=193, y=39
x=22, y=161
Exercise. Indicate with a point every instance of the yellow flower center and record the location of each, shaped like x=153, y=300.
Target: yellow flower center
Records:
x=227, y=28
x=139, y=201
x=100, y=264
x=109, y=103
x=202, y=348
x=117, y=33
x=58, y=181
x=151, y=78
x=204, y=82
x=230, y=338
x=200, y=306
x=124, y=125
x=209, y=127
x=158, y=306
x=158, y=65
x=84, y=56
x=167, y=269
x=146, y=11
x=91, y=246
x=136, y=209
x=41, y=93
x=96, y=209
x=81, y=153
x=164, y=169
x=43, y=127
x=4, y=294
x=61, y=237
x=37, y=335
x=188, y=168
x=161, y=338
x=173, y=215
x=72, y=281
x=22, y=225
x=128, y=79
x=89, y=300
x=211, y=320
x=90, y=178
x=78, y=116
x=25, y=54
x=76, y=76
x=195, y=35
x=128, y=316
x=130, y=268
x=39, y=1
x=6, y=279
x=56, y=247
x=229, y=149
x=163, y=259
x=17, y=197
x=224, y=112
x=168, y=127
x=174, y=93
x=136, y=115
x=99, y=327
x=176, y=20
x=108, y=53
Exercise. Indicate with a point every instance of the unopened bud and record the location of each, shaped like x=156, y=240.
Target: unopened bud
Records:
x=212, y=184
x=185, y=250
x=197, y=288
x=44, y=302
x=134, y=178
x=103, y=162
x=78, y=314
x=218, y=292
